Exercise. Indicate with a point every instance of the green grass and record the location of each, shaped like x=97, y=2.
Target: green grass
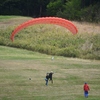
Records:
x=18, y=65
x=5, y=18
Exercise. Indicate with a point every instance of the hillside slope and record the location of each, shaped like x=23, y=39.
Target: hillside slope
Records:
x=53, y=39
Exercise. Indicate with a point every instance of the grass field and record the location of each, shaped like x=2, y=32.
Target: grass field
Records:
x=17, y=66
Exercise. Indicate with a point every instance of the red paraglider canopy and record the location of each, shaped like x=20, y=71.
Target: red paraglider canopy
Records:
x=46, y=20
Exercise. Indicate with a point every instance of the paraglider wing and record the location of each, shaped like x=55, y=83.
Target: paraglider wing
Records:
x=46, y=20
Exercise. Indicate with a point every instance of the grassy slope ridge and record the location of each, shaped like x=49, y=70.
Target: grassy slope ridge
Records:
x=17, y=66
x=53, y=39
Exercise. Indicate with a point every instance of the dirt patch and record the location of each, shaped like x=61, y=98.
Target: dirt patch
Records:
x=13, y=22
x=84, y=27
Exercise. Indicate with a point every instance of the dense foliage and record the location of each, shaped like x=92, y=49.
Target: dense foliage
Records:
x=70, y=9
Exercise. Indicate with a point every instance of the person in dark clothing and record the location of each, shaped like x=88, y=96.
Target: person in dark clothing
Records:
x=86, y=89
x=50, y=76
x=47, y=78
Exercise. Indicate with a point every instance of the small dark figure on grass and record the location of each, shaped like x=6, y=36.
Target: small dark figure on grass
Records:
x=50, y=76
x=46, y=78
x=86, y=89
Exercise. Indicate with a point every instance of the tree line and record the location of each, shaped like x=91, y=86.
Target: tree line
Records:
x=82, y=10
